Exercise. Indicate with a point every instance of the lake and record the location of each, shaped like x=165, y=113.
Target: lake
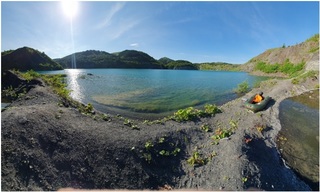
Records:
x=299, y=145
x=152, y=93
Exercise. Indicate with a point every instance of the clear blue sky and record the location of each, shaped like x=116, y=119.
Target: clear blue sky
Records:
x=231, y=32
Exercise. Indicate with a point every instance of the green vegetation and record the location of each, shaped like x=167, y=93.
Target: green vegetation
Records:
x=181, y=64
x=129, y=123
x=219, y=66
x=314, y=38
x=57, y=82
x=191, y=114
x=165, y=60
x=26, y=58
x=9, y=93
x=102, y=59
x=29, y=75
x=303, y=77
x=163, y=148
x=148, y=145
x=205, y=127
x=197, y=159
x=243, y=88
x=6, y=52
x=287, y=67
x=222, y=133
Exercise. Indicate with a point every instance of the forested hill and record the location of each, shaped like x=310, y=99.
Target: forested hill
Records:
x=102, y=59
x=26, y=58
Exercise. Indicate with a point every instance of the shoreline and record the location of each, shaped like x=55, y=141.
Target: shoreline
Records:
x=36, y=127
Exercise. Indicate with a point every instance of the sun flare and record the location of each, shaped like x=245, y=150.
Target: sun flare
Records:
x=70, y=8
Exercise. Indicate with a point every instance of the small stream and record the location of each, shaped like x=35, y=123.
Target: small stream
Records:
x=298, y=139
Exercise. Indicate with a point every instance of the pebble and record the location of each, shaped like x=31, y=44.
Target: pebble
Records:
x=23, y=120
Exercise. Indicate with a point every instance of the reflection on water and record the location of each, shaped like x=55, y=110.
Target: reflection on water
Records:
x=299, y=136
x=73, y=84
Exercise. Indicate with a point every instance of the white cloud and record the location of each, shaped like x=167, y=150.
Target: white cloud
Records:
x=108, y=19
x=134, y=45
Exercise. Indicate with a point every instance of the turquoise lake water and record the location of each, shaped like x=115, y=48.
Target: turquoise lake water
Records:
x=150, y=93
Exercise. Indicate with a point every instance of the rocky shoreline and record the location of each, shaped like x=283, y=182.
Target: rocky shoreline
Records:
x=48, y=145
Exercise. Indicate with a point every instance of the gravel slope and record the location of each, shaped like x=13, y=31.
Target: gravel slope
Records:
x=48, y=146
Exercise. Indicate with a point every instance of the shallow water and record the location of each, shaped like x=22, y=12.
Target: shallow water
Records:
x=144, y=93
x=299, y=136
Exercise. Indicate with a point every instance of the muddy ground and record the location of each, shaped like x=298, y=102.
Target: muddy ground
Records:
x=48, y=144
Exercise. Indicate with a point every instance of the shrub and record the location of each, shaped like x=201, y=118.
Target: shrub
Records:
x=187, y=114
x=57, y=83
x=243, y=88
x=314, y=38
x=30, y=75
x=190, y=113
x=196, y=159
x=287, y=67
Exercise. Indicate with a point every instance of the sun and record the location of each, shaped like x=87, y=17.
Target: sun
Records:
x=70, y=8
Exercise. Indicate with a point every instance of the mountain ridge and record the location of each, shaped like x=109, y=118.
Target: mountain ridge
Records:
x=305, y=54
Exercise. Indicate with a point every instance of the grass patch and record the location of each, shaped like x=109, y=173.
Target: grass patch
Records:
x=57, y=82
x=303, y=77
x=287, y=68
x=314, y=38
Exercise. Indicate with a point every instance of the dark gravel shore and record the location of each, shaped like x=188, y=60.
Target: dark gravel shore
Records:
x=49, y=145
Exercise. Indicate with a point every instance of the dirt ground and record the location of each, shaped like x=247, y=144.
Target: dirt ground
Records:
x=48, y=145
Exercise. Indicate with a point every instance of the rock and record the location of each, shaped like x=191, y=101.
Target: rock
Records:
x=23, y=120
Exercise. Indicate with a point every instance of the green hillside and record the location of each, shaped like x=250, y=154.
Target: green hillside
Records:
x=102, y=59
x=181, y=64
x=26, y=58
x=286, y=60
